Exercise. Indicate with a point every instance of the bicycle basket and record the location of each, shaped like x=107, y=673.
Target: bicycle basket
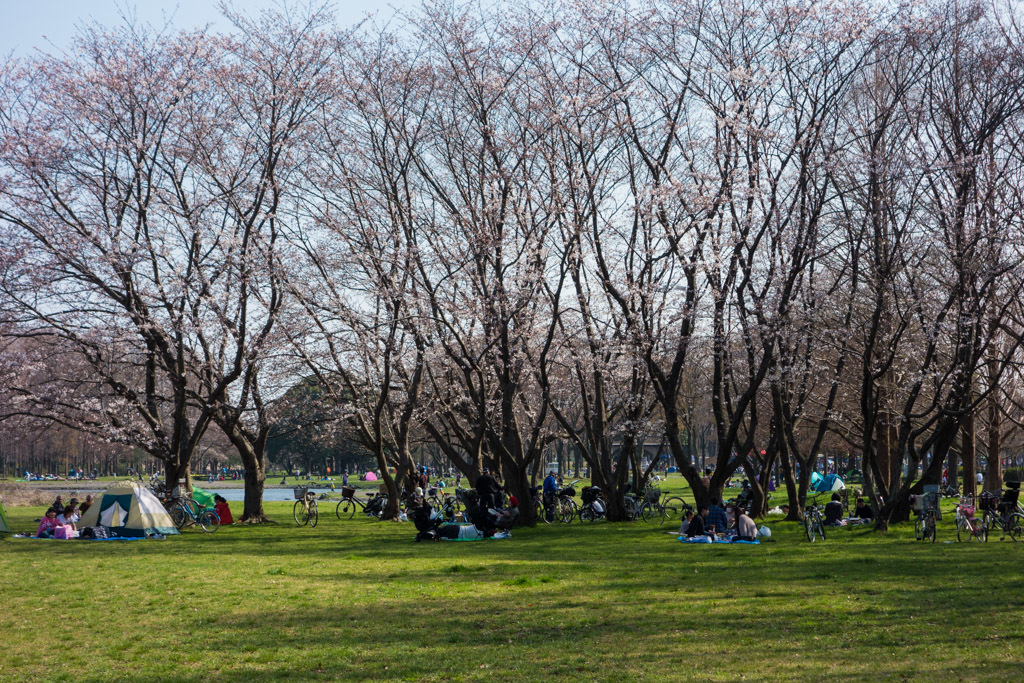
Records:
x=568, y=491
x=300, y=492
x=653, y=495
x=347, y=491
x=988, y=501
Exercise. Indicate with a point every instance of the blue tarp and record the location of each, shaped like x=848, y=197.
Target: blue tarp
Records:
x=830, y=482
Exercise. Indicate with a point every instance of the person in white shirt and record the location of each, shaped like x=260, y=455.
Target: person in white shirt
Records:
x=746, y=530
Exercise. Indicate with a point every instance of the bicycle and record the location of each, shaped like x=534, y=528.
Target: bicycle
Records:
x=672, y=507
x=185, y=512
x=373, y=505
x=927, y=520
x=968, y=528
x=592, y=508
x=563, y=505
x=305, y=509
x=1003, y=515
x=814, y=525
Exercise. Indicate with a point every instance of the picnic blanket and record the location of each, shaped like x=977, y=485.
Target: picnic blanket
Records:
x=114, y=538
x=708, y=540
x=468, y=532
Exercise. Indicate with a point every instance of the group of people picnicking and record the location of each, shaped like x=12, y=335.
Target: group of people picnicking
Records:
x=715, y=521
x=61, y=519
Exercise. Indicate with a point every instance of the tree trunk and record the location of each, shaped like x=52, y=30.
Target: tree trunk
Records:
x=953, y=467
x=994, y=469
x=255, y=478
x=969, y=457
x=517, y=483
x=251, y=449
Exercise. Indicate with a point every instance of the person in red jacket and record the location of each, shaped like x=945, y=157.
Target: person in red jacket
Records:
x=223, y=511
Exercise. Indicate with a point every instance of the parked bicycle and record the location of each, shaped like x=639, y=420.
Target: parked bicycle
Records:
x=562, y=505
x=927, y=520
x=373, y=505
x=185, y=511
x=593, y=504
x=814, y=524
x=305, y=509
x=1001, y=513
x=969, y=527
x=657, y=508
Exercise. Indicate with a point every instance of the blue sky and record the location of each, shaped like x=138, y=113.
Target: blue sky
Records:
x=24, y=23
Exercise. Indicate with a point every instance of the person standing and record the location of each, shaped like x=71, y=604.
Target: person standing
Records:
x=550, y=493
x=488, y=490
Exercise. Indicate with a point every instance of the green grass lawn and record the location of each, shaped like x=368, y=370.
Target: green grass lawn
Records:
x=361, y=600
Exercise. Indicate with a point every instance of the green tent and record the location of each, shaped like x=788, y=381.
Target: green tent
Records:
x=204, y=498
x=4, y=525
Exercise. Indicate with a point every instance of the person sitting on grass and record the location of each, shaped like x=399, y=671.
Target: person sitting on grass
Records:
x=86, y=505
x=716, y=521
x=223, y=511
x=746, y=530
x=69, y=515
x=47, y=524
x=697, y=524
x=685, y=525
x=834, y=511
x=863, y=510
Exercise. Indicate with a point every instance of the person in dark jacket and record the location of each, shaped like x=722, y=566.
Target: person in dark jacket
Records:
x=863, y=510
x=834, y=511
x=696, y=527
x=489, y=491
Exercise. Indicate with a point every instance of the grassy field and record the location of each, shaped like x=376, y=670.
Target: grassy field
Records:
x=361, y=600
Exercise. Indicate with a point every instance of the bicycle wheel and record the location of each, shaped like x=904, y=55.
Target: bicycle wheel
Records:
x=631, y=508
x=672, y=510
x=810, y=528
x=649, y=512
x=821, y=525
x=299, y=513
x=963, y=530
x=586, y=514
x=990, y=523
x=314, y=514
x=346, y=509
x=209, y=520
x=918, y=529
x=1015, y=527
x=567, y=510
x=931, y=528
x=178, y=515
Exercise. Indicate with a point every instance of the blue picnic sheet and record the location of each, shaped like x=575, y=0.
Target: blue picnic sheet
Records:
x=706, y=540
